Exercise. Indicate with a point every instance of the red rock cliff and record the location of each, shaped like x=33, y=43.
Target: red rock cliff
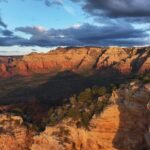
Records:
x=126, y=60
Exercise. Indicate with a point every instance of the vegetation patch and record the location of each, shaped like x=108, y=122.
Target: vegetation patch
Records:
x=81, y=108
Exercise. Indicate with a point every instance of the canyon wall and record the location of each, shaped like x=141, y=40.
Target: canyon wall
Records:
x=123, y=125
x=81, y=59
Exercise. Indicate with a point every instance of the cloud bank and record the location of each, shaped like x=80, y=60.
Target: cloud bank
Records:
x=116, y=8
x=80, y=35
x=116, y=19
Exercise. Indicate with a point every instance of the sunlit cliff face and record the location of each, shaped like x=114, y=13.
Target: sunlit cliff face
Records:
x=125, y=60
x=127, y=116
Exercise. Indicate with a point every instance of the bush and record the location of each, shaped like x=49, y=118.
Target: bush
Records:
x=17, y=110
x=73, y=113
x=99, y=90
x=73, y=100
x=85, y=96
x=100, y=106
x=50, y=112
x=53, y=120
x=80, y=108
x=146, y=79
x=85, y=119
x=113, y=87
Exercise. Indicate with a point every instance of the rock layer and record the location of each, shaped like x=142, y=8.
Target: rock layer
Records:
x=99, y=137
x=13, y=135
x=81, y=59
x=123, y=125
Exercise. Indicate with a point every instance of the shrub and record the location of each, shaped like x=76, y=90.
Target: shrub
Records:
x=62, y=135
x=100, y=106
x=53, y=120
x=80, y=108
x=85, y=119
x=50, y=112
x=86, y=95
x=73, y=100
x=99, y=90
x=146, y=79
x=17, y=110
x=113, y=86
x=73, y=113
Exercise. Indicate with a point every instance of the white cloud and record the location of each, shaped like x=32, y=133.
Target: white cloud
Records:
x=77, y=26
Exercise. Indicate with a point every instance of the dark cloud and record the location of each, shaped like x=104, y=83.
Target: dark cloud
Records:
x=86, y=34
x=34, y=50
x=117, y=8
x=52, y=2
x=6, y=32
x=13, y=40
x=31, y=30
x=2, y=24
x=46, y=2
x=111, y=8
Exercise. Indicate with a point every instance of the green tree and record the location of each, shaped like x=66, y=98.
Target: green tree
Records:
x=85, y=96
x=73, y=113
x=85, y=119
x=73, y=100
x=99, y=90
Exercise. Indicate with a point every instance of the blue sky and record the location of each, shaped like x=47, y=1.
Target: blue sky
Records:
x=36, y=13
x=39, y=25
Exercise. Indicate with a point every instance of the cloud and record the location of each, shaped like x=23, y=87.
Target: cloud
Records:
x=52, y=2
x=34, y=50
x=66, y=7
x=6, y=32
x=110, y=8
x=117, y=28
x=11, y=41
x=2, y=24
x=46, y=2
x=31, y=30
x=117, y=8
x=81, y=35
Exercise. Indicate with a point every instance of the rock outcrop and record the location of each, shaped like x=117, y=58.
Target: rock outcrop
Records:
x=134, y=116
x=125, y=60
x=123, y=125
x=13, y=134
x=3, y=70
x=66, y=136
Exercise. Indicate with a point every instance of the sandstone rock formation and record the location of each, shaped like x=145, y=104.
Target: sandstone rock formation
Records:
x=3, y=70
x=134, y=116
x=123, y=125
x=67, y=136
x=81, y=59
x=13, y=135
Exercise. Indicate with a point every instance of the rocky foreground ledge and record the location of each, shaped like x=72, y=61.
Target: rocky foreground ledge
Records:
x=79, y=59
x=123, y=125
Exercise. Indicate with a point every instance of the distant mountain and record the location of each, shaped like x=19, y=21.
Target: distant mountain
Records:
x=79, y=60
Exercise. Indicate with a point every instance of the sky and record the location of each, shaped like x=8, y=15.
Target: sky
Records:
x=40, y=25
